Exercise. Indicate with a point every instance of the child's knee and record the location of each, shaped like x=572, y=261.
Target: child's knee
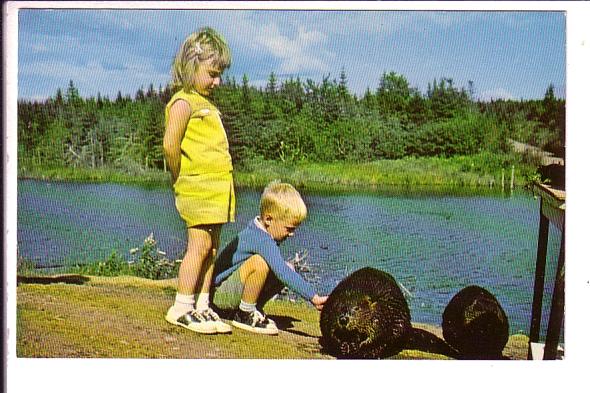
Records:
x=256, y=264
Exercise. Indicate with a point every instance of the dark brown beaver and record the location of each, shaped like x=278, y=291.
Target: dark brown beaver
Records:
x=475, y=324
x=366, y=317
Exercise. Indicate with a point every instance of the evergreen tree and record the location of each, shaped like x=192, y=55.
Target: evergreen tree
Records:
x=290, y=121
x=72, y=94
x=166, y=94
x=471, y=90
x=393, y=94
x=59, y=97
x=369, y=100
x=549, y=111
x=343, y=86
x=140, y=95
x=271, y=86
x=151, y=93
x=246, y=95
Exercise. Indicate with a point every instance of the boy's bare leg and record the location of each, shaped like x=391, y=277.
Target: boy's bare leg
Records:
x=253, y=274
x=272, y=287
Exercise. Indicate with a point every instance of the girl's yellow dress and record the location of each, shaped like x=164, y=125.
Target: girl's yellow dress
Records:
x=204, y=189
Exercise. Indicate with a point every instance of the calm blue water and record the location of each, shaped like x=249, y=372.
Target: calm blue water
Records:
x=434, y=245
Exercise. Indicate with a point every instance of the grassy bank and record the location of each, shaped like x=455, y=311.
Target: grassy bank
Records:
x=76, y=316
x=461, y=171
x=484, y=170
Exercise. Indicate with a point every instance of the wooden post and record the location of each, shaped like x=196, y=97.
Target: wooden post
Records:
x=557, y=307
x=512, y=179
x=539, y=281
x=552, y=210
x=502, y=179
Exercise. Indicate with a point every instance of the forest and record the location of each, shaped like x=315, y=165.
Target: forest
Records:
x=290, y=121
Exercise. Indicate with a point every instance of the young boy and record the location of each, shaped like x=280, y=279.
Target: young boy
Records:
x=251, y=270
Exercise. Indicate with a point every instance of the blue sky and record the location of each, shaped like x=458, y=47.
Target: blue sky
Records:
x=506, y=54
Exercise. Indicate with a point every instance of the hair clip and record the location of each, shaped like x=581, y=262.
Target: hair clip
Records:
x=198, y=49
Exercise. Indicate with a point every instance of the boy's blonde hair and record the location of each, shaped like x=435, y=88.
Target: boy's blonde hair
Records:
x=282, y=201
x=196, y=48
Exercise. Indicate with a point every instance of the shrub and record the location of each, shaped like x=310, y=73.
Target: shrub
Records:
x=114, y=265
x=150, y=262
x=147, y=262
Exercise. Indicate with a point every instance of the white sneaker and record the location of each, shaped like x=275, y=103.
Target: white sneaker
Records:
x=192, y=320
x=212, y=316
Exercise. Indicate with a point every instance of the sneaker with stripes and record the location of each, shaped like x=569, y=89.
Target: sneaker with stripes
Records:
x=255, y=322
x=212, y=316
x=192, y=320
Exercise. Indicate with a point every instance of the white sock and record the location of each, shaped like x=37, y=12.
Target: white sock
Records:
x=202, y=302
x=184, y=303
x=248, y=307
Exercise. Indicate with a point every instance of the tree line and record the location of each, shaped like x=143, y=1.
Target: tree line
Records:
x=290, y=121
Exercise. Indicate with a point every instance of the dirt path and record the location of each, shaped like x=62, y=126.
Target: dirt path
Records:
x=547, y=158
x=123, y=317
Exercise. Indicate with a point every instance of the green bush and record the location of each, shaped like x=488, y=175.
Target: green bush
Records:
x=114, y=265
x=147, y=262
x=151, y=262
x=469, y=134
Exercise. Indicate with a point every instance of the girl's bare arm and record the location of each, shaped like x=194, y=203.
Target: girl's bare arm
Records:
x=178, y=118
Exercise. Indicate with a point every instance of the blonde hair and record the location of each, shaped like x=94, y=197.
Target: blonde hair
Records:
x=199, y=46
x=282, y=201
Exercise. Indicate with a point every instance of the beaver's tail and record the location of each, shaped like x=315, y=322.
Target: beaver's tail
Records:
x=424, y=341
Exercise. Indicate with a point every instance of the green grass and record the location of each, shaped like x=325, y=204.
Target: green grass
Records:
x=123, y=317
x=482, y=170
x=101, y=175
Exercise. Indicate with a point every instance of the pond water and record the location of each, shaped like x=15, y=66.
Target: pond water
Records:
x=434, y=244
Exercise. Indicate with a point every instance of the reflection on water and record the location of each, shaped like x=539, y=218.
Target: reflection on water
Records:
x=433, y=243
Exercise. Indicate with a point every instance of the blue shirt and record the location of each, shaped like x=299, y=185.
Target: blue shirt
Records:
x=254, y=241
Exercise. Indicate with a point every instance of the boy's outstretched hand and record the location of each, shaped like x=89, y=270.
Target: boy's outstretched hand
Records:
x=318, y=301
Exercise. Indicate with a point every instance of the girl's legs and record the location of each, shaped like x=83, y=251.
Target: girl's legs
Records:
x=197, y=259
x=203, y=284
x=194, y=276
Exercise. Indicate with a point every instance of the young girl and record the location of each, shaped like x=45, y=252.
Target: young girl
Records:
x=197, y=153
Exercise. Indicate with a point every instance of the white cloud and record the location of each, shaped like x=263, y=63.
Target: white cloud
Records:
x=301, y=53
